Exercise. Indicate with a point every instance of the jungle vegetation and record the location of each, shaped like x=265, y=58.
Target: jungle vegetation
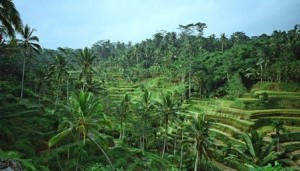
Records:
x=177, y=101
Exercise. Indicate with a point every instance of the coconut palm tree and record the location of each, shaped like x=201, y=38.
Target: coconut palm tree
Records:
x=198, y=131
x=278, y=125
x=145, y=107
x=29, y=44
x=168, y=108
x=60, y=66
x=123, y=111
x=9, y=17
x=86, y=60
x=199, y=78
x=83, y=117
x=223, y=40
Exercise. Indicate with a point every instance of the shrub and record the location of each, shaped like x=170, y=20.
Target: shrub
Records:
x=235, y=88
x=269, y=167
x=239, y=104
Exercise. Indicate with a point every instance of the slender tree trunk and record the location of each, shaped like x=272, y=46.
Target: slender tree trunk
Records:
x=261, y=73
x=100, y=148
x=164, y=147
x=140, y=139
x=23, y=75
x=175, y=143
x=58, y=89
x=190, y=80
x=165, y=136
x=59, y=165
x=144, y=134
x=68, y=88
x=181, y=150
x=121, y=129
x=277, y=143
x=196, y=162
x=222, y=47
x=200, y=90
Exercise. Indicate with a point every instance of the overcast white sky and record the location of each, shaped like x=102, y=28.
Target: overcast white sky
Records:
x=81, y=23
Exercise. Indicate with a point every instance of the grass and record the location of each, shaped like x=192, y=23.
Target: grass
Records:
x=291, y=146
x=221, y=166
x=228, y=129
x=275, y=86
x=274, y=113
x=226, y=138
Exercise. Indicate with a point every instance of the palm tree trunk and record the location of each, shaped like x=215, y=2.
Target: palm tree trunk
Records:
x=190, y=80
x=200, y=90
x=100, y=148
x=165, y=136
x=261, y=73
x=175, y=143
x=121, y=129
x=181, y=150
x=222, y=47
x=23, y=75
x=59, y=165
x=68, y=88
x=196, y=162
x=164, y=148
x=277, y=143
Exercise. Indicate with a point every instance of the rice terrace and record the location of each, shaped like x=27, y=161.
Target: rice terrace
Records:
x=177, y=101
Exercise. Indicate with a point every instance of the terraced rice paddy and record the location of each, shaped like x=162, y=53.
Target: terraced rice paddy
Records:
x=230, y=122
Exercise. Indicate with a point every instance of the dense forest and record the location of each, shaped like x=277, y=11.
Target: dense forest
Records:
x=177, y=101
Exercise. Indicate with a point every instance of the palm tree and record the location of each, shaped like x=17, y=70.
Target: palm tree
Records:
x=168, y=110
x=82, y=117
x=260, y=62
x=28, y=43
x=223, y=39
x=199, y=79
x=278, y=125
x=123, y=110
x=145, y=107
x=198, y=131
x=86, y=59
x=9, y=17
x=60, y=69
x=255, y=152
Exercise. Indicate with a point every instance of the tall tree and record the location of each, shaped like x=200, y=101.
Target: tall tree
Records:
x=199, y=78
x=123, y=111
x=83, y=117
x=168, y=109
x=86, y=60
x=223, y=40
x=9, y=17
x=198, y=131
x=60, y=66
x=29, y=44
x=278, y=125
x=146, y=107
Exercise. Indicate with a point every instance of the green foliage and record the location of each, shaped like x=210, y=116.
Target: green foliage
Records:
x=27, y=163
x=269, y=167
x=100, y=167
x=235, y=87
x=54, y=140
x=255, y=152
x=64, y=135
x=275, y=86
x=239, y=104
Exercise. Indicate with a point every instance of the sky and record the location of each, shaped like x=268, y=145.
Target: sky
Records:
x=81, y=23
